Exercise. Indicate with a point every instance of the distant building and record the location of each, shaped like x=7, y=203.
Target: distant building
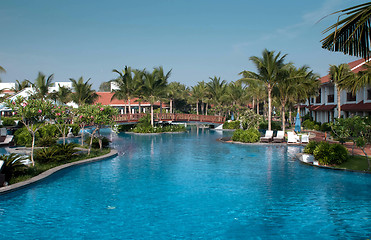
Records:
x=323, y=107
x=105, y=98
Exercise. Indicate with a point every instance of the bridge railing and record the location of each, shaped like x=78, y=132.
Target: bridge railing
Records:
x=177, y=117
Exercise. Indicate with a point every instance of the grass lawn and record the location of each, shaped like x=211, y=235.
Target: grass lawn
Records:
x=39, y=168
x=358, y=163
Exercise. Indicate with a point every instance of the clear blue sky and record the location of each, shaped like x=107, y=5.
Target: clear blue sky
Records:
x=197, y=39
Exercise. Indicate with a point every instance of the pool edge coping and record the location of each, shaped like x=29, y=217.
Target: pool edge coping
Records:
x=49, y=172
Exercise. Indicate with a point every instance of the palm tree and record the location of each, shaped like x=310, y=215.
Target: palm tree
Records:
x=161, y=74
x=19, y=86
x=197, y=93
x=153, y=88
x=126, y=84
x=351, y=35
x=360, y=80
x=269, y=70
x=83, y=94
x=105, y=87
x=339, y=75
x=217, y=90
x=42, y=85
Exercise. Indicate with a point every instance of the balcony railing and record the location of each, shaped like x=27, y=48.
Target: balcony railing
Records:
x=330, y=98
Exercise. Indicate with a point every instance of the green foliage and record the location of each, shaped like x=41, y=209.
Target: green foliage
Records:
x=231, y=125
x=66, y=150
x=159, y=129
x=47, y=155
x=75, y=129
x=12, y=165
x=325, y=127
x=22, y=137
x=125, y=127
x=275, y=125
x=49, y=130
x=309, y=148
x=309, y=124
x=46, y=141
x=144, y=121
x=250, y=119
x=95, y=143
x=251, y=135
x=329, y=154
x=6, y=121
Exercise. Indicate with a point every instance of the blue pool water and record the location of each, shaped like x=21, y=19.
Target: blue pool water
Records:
x=189, y=186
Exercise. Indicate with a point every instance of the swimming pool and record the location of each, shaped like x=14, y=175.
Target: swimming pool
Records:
x=188, y=186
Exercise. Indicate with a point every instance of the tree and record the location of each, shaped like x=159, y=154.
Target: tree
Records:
x=19, y=86
x=105, y=87
x=126, y=86
x=101, y=115
x=62, y=116
x=176, y=92
x=82, y=92
x=34, y=113
x=12, y=165
x=269, y=68
x=152, y=88
x=42, y=85
x=217, y=89
x=360, y=79
x=159, y=71
x=339, y=75
x=351, y=35
x=83, y=118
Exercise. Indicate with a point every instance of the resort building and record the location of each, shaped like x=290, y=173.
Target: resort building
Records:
x=105, y=98
x=323, y=108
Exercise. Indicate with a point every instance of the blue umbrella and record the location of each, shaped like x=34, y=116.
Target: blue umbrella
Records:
x=297, y=123
x=232, y=118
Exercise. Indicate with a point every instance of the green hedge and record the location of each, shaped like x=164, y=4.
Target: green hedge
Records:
x=275, y=125
x=251, y=135
x=231, y=125
x=327, y=154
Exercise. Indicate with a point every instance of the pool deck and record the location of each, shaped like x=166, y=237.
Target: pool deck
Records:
x=43, y=175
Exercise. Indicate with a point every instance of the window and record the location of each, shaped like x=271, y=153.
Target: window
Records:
x=330, y=98
x=351, y=97
x=369, y=94
x=318, y=98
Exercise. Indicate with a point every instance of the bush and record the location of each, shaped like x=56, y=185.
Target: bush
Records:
x=47, y=155
x=231, y=125
x=125, y=127
x=308, y=124
x=12, y=165
x=49, y=130
x=46, y=141
x=275, y=125
x=66, y=150
x=325, y=127
x=329, y=154
x=95, y=143
x=75, y=129
x=22, y=137
x=309, y=148
x=247, y=136
x=8, y=121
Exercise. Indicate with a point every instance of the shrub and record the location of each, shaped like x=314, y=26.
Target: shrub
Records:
x=338, y=154
x=309, y=148
x=50, y=130
x=23, y=137
x=47, y=155
x=325, y=127
x=66, y=150
x=247, y=136
x=308, y=124
x=275, y=125
x=8, y=121
x=322, y=152
x=125, y=127
x=12, y=165
x=46, y=141
x=95, y=143
x=237, y=135
x=231, y=125
x=75, y=129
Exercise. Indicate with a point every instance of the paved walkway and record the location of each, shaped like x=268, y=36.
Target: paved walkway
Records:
x=320, y=136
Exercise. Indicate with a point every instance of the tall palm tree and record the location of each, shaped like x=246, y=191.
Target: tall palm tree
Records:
x=126, y=84
x=339, y=75
x=153, y=88
x=161, y=74
x=197, y=93
x=42, y=85
x=269, y=68
x=351, y=35
x=360, y=80
x=217, y=89
x=82, y=92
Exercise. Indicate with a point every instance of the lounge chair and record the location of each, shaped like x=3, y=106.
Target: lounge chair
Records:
x=280, y=137
x=292, y=137
x=305, y=138
x=268, y=136
x=8, y=140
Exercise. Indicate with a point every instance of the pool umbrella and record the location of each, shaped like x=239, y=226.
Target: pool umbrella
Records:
x=232, y=118
x=297, y=123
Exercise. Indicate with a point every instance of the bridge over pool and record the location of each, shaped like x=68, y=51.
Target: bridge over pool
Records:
x=171, y=117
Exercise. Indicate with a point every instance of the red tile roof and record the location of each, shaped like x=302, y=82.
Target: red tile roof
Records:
x=105, y=99
x=355, y=107
x=355, y=66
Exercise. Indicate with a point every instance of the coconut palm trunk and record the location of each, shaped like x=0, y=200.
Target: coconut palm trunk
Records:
x=197, y=107
x=339, y=105
x=257, y=107
x=269, y=107
x=152, y=121
x=283, y=118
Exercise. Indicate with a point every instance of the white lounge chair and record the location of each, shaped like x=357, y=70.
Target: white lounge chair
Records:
x=268, y=136
x=305, y=138
x=280, y=137
x=292, y=137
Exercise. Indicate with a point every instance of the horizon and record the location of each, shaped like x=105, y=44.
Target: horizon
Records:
x=197, y=40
